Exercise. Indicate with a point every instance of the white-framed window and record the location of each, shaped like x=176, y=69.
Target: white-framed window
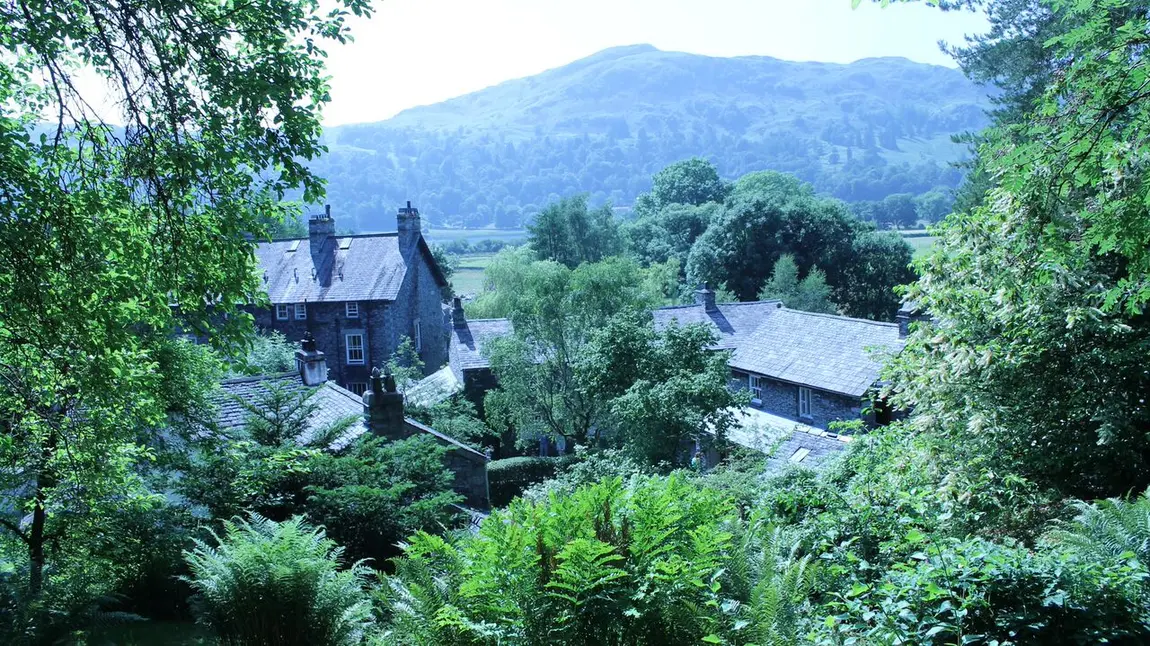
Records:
x=352, y=310
x=804, y=401
x=756, y=384
x=301, y=311
x=418, y=336
x=354, y=349
x=282, y=312
x=357, y=387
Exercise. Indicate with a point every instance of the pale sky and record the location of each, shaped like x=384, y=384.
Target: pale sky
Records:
x=416, y=52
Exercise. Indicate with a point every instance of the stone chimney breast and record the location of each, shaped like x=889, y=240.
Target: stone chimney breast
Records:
x=383, y=407
x=310, y=362
x=705, y=297
x=407, y=224
x=458, y=317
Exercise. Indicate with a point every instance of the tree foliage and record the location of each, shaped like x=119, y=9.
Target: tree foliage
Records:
x=811, y=294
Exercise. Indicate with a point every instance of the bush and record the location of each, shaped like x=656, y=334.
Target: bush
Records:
x=978, y=592
x=279, y=584
x=507, y=478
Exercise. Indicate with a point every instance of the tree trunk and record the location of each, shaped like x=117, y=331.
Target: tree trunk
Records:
x=36, y=543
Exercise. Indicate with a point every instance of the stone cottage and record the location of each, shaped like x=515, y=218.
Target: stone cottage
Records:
x=379, y=411
x=809, y=368
x=358, y=295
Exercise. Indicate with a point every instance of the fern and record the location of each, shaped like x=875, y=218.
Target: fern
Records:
x=1107, y=530
x=278, y=584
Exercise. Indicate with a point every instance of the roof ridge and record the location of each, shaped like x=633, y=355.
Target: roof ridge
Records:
x=840, y=317
x=845, y=439
x=343, y=391
x=254, y=378
x=381, y=234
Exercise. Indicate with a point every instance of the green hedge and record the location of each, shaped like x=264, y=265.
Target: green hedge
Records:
x=507, y=478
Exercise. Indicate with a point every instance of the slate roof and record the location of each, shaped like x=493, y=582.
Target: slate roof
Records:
x=333, y=403
x=832, y=353
x=466, y=349
x=732, y=322
x=344, y=268
x=807, y=448
x=433, y=388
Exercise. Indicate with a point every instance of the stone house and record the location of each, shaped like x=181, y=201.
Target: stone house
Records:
x=358, y=295
x=380, y=411
x=809, y=368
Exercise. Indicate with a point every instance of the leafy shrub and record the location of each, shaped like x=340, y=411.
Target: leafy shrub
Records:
x=586, y=468
x=507, y=478
x=269, y=583
x=654, y=560
x=978, y=592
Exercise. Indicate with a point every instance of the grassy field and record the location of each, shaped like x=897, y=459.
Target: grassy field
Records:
x=920, y=245
x=468, y=278
x=441, y=235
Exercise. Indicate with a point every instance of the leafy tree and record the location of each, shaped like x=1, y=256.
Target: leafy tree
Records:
x=1040, y=290
x=932, y=207
x=265, y=582
x=448, y=264
x=103, y=228
x=568, y=233
x=900, y=210
x=662, y=389
x=692, y=181
x=812, y=294
x=668, y=233
x=269, y=353
x=555, y=311
x=770, y=214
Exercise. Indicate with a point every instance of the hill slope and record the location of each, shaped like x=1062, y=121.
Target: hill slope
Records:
x=604, y=124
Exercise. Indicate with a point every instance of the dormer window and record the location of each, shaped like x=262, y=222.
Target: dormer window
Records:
x=352, y=310
x=282, y=312
x=300, y=311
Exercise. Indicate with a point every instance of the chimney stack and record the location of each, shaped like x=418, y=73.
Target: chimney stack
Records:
x=408, y=225
x=310, y=362
x=705, y=297
x=458, y=318
x=909, y=313
x=383, y=407
x=320, y=228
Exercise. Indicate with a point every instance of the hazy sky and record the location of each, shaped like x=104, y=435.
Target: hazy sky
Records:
x=415, y=52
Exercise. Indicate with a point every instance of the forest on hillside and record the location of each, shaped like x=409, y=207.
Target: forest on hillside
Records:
x=602, y=126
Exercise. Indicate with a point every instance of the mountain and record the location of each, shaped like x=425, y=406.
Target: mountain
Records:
x=605, y=124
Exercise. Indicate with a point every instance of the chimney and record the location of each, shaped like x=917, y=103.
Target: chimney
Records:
x=706, y=298
x=320, y=228
x=458, y=318
x=310, y=362
x=909, y=313
x=383, y=407
x=407, y=224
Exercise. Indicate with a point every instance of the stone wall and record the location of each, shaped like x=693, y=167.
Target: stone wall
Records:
x=782, y=399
